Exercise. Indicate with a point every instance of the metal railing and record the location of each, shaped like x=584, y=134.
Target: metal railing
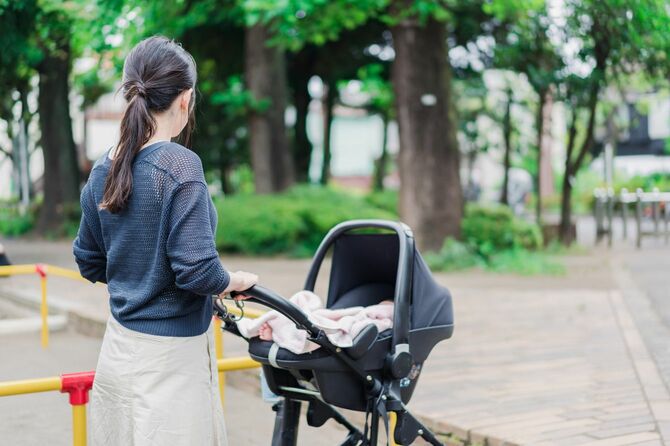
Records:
x=606, y=204
x=77, y=385
x=43, y=271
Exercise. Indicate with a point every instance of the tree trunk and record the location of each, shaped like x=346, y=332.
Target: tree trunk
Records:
x=266, y=80
x=224, y=173
x=471, y=193
x=572, y=166
x=431, y=199
x=507, y=141
x=565, y=225
x=539, y=125
x=327, y=103
x=26, y=118
x=380, y=163
x=302, y=146
x=61, y=171
x=544, y=184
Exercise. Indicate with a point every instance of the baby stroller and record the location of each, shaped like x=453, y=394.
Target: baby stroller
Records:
x=378, y=373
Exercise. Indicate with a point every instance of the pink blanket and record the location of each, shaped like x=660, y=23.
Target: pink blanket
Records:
x=341, y=326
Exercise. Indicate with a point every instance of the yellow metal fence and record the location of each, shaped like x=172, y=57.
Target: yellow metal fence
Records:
x=78, y=384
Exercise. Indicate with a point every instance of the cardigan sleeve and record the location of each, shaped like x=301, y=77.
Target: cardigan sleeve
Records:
x=88, y=247
x=190, y=242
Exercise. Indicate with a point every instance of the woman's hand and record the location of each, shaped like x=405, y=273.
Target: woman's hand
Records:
x=241, y=281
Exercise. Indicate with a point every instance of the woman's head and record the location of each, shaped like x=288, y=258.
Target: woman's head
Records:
x=159, y=84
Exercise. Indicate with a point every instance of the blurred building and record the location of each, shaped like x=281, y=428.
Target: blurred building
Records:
x=643, y=145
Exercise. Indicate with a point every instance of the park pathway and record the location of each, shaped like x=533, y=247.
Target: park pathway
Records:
x=571, y=360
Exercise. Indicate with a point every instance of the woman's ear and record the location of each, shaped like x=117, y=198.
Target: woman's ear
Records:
x=185, y=99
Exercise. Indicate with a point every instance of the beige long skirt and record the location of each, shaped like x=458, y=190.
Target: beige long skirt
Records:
x=155, y=390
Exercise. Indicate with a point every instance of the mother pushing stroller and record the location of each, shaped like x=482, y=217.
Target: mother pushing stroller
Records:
x=147, y=230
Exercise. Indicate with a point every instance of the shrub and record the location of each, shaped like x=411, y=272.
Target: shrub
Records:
x=386, y=199
x=521, y=261
x=490, y=229
x=12, y=224
x=292, y=222
x=454, y=255
x=257, y=224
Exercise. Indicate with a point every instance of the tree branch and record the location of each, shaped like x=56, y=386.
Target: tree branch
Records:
x=588, y=139
x=572, y=135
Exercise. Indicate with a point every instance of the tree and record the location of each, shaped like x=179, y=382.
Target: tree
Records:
x=431, y=199
x=213, y=32
x=524, y=46
x=375, y=82
x=473, y=109
x=642, y=40
x=265, y=77
x=301, y=65
x=49, y=41
x=17, y=20
x=325, y=39
x=61, y=169
x=507, y=128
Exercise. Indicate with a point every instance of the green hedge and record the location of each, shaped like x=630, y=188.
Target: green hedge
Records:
x=292, y=222
x=496, y=240
x=13, y=225
x=12, y=222
x=490, y=229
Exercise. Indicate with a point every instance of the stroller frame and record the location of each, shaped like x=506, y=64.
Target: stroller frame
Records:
x=382, y=393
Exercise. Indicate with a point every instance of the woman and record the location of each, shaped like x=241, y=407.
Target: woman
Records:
x=147, y=230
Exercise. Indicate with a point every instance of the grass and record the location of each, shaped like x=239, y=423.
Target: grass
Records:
x=457, y=256
x=526, y=263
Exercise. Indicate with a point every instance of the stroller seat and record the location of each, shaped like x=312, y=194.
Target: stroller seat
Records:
x=366, y=268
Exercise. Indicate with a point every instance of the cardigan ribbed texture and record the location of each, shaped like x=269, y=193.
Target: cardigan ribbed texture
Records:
x=158, y=255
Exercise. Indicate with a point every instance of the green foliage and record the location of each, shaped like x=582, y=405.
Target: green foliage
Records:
x=490, y=229
x=376, y=84
x=582, y=192
x=293, y=222
x=237, y=100
x=524, y=262
x=453, y=256
x=647, y=183
x=299, y=22
x=513, y=9
x=13, y=224
x=386, y=200
x=588, y=180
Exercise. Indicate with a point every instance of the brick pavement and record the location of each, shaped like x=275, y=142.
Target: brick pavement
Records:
x=537, y=361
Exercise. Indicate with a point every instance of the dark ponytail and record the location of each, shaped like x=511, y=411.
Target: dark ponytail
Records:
x=155, y=72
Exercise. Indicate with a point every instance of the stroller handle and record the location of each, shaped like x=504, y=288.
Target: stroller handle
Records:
x=269, y=298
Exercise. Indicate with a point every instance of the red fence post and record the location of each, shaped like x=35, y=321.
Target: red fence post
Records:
x=78, y=385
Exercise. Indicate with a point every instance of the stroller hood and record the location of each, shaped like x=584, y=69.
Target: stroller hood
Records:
x=364, y=272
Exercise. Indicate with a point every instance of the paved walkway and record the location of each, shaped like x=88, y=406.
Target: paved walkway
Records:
x=46, y=419
x=533, y=360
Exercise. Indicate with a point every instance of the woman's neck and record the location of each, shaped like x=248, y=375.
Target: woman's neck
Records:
x=163, y=130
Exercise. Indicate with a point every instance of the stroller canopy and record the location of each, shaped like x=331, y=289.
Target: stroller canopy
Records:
x=364, y=272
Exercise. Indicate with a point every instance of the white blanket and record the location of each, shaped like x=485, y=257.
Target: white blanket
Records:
x=340, y=326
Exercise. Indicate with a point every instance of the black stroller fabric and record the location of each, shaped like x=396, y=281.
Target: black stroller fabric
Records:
x=363, y=273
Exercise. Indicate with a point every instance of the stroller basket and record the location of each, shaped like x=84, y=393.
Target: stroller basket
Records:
x=379, y=372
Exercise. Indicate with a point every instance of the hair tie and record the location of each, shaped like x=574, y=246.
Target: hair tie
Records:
x=141, y=90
